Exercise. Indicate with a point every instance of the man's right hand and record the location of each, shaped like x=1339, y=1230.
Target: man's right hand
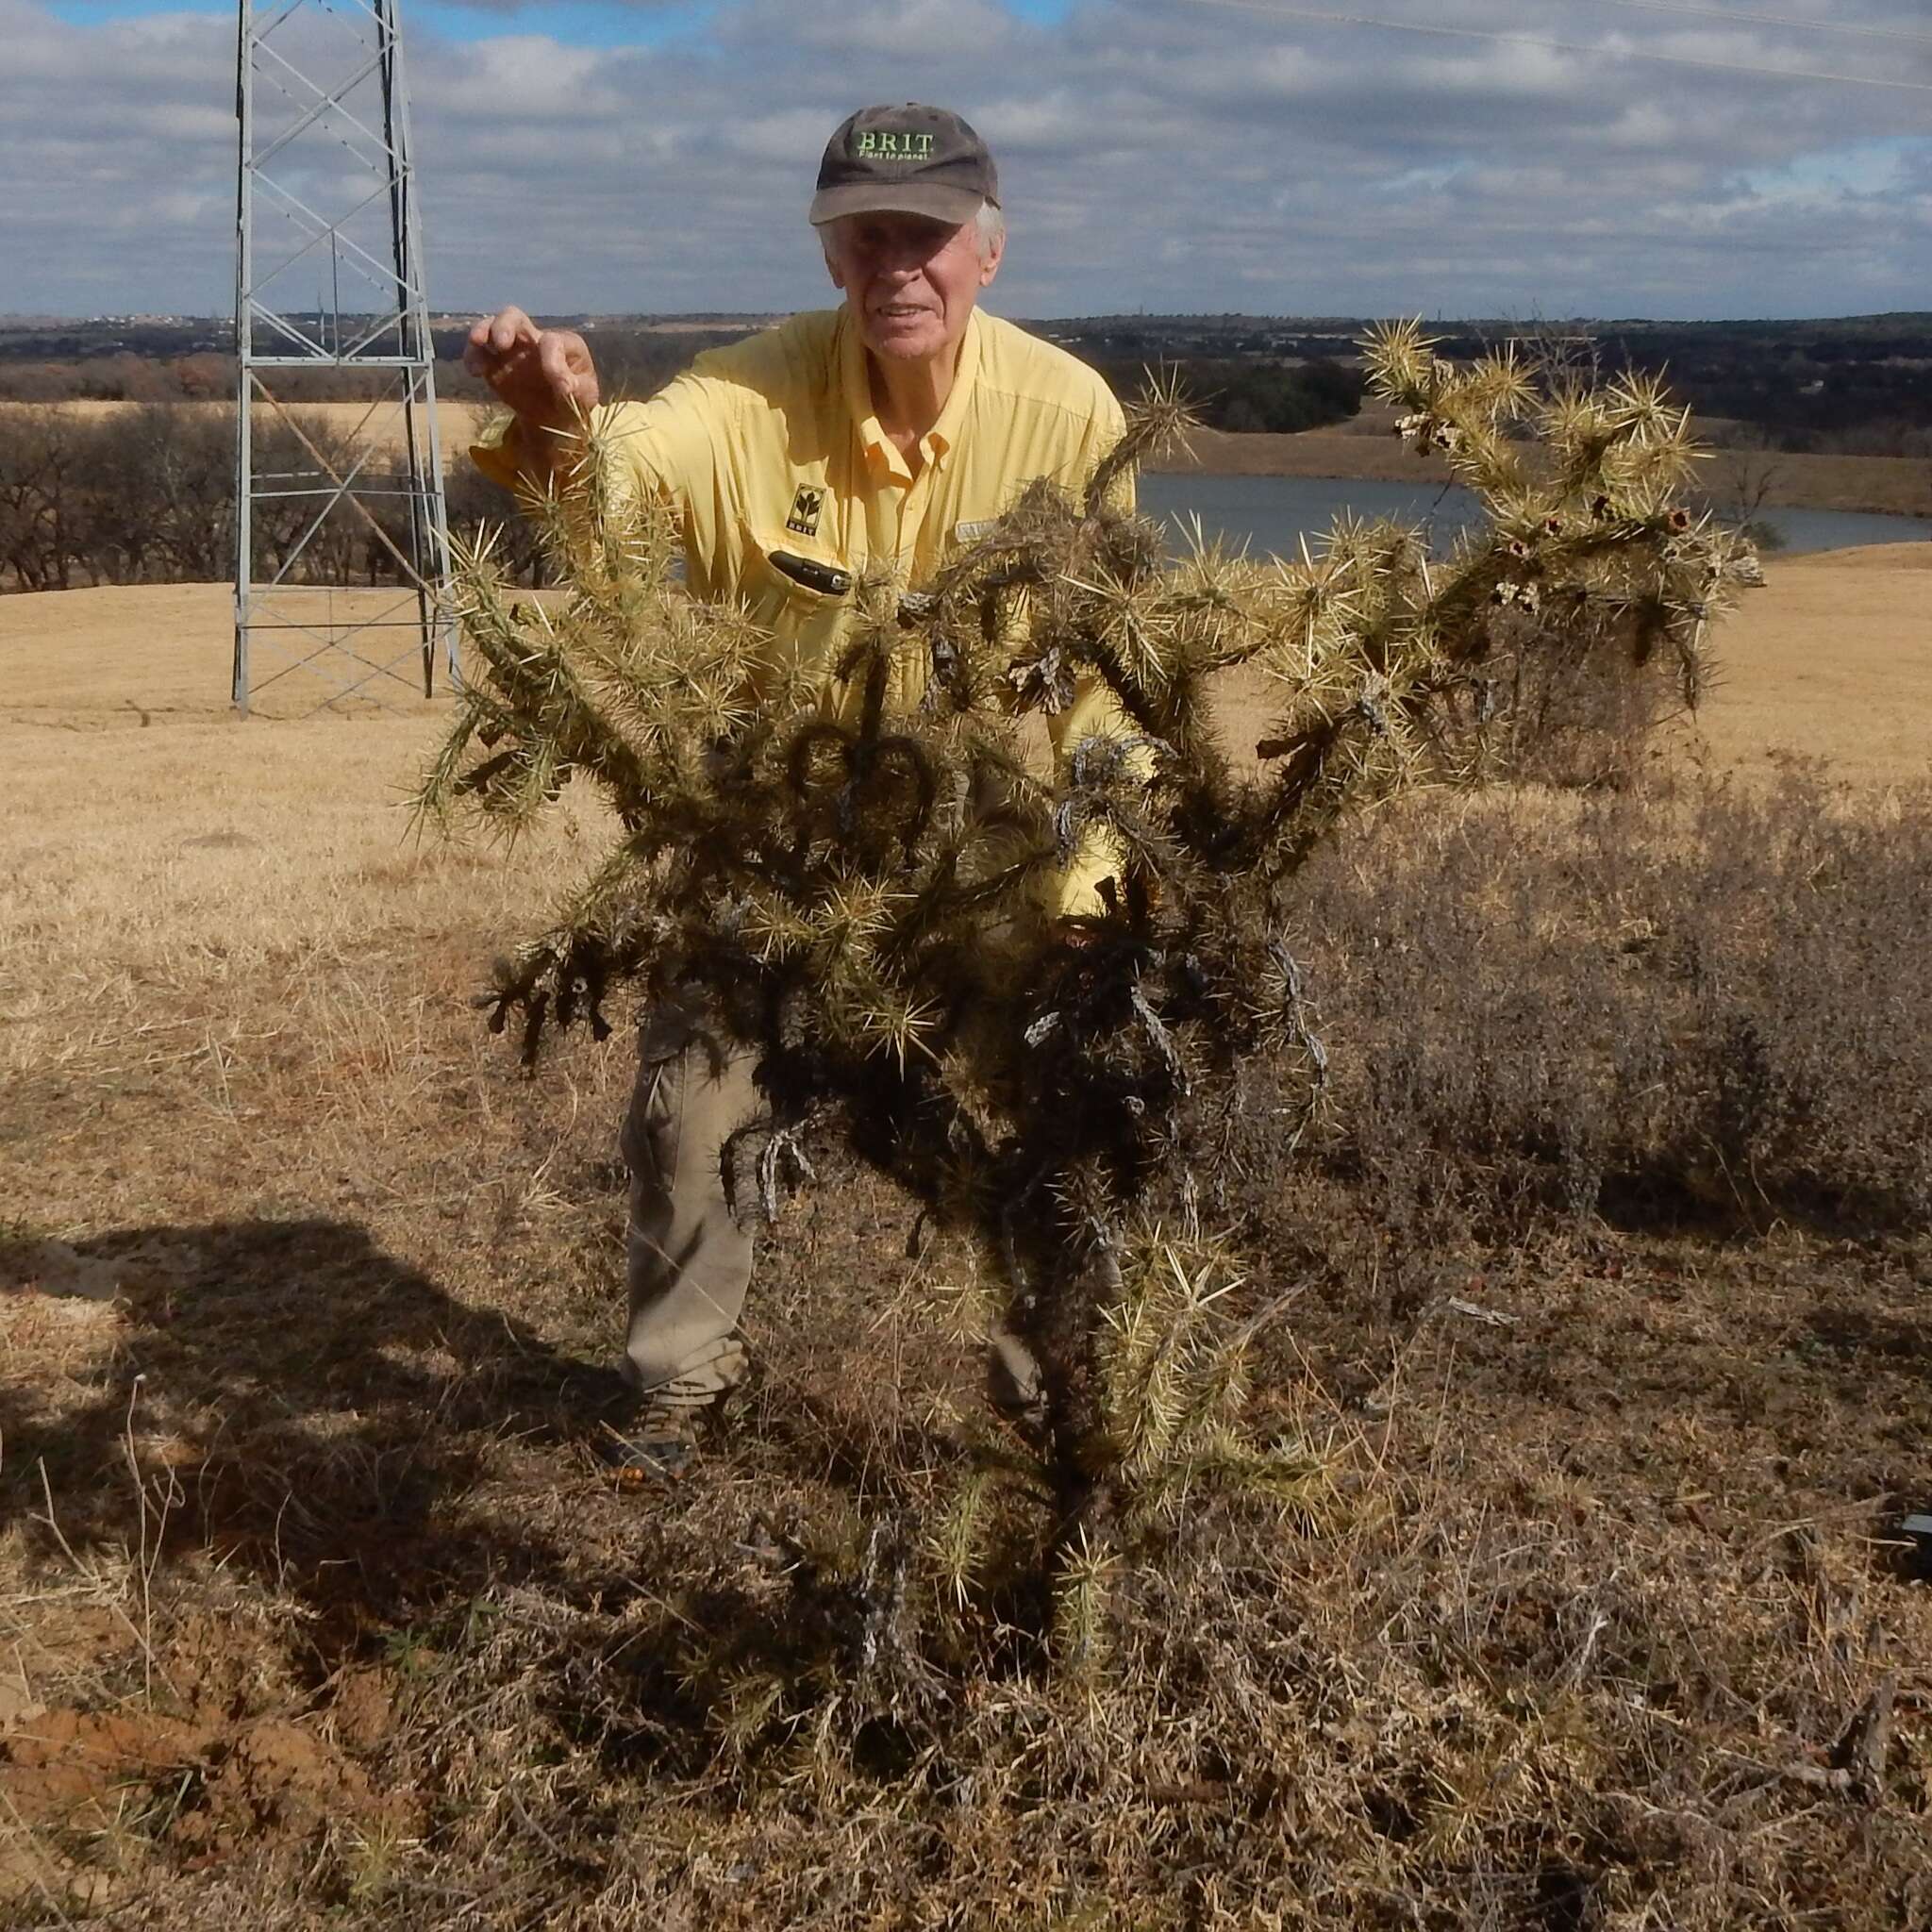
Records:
x=544, y=376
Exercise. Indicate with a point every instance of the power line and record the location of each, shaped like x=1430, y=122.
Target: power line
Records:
x=1508, y=40
x=1752, y=19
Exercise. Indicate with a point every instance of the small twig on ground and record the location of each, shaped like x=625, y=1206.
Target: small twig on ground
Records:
x=1816, y=1778
x=535, y=1829
x=140, y=1636
x=150, y=1552
x=1495, y=1318
x=1598, y=1624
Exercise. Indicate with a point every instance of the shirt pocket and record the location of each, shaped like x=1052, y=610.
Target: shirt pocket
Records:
x=800, y=590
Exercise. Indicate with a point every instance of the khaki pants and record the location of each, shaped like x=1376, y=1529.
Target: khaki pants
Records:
x=690, y=1259
x=689, y=1256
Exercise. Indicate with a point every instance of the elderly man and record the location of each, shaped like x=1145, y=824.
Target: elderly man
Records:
x=887, y=430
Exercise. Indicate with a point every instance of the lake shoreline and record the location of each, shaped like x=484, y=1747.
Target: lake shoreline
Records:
x=1273, y=515
x=1364, y=451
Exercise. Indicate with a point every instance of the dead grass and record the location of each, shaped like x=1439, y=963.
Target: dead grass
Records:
x=314, y=1609
x=380, y=422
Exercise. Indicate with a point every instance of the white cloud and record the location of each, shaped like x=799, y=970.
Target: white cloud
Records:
x=1153, y=151
x=517, y=81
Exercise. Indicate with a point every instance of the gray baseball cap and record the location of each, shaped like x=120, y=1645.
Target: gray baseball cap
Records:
x=911, y=159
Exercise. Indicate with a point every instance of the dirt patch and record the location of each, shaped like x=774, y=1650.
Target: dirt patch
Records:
x=75, y=1768
x=365, y=1709
x=187, y=1771
x=278, y=1777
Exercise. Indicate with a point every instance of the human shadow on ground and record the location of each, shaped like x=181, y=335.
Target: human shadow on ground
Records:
x=298, y=1403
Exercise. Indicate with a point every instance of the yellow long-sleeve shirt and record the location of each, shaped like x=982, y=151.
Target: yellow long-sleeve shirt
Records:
x=774, y=445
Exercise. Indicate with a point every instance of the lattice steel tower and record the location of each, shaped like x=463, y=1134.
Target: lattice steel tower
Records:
x=341, y=550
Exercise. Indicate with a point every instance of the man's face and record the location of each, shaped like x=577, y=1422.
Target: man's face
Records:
x=910, y=283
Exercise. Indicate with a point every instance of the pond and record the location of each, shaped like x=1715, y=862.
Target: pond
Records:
x=1272, y=513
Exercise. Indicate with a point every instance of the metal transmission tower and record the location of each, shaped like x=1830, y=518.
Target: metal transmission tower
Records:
x=328, y=277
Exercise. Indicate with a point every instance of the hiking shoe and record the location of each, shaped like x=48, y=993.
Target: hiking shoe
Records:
x=656, y=1447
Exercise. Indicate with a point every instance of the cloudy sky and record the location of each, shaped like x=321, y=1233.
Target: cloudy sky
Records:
x=1603, y=158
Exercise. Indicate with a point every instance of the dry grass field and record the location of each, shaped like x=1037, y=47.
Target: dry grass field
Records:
x=1612, y=1309
x=455, y=423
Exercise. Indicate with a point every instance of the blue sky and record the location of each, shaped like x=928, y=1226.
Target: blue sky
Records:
x=574, y=22
x=1196, y=155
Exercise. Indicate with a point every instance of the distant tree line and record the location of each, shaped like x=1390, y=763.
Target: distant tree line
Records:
x=1857, y=403
x=1247, y=395
x=146, y=495
x=1862, y=386
x=1794, y=387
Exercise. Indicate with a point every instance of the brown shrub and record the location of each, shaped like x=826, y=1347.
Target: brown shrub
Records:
x=1701, y=1000
x=146, y=495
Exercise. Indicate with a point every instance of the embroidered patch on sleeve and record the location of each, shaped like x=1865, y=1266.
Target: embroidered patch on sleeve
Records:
x=806, y=505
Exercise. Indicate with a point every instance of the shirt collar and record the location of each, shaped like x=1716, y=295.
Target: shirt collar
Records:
x=943, y=434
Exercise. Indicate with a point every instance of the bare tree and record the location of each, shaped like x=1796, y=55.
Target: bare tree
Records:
x=40, y=498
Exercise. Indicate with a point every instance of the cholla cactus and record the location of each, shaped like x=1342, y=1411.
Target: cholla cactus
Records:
x=851, y=878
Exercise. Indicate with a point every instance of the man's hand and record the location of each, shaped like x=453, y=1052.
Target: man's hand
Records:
x=545, y=376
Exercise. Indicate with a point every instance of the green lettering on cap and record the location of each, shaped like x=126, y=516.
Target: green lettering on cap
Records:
x=883, y=144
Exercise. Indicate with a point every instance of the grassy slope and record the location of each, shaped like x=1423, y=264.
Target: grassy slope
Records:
x=313, y=1607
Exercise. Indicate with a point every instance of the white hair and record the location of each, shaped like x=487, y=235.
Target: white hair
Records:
x=991, y=225
x=988, y=223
